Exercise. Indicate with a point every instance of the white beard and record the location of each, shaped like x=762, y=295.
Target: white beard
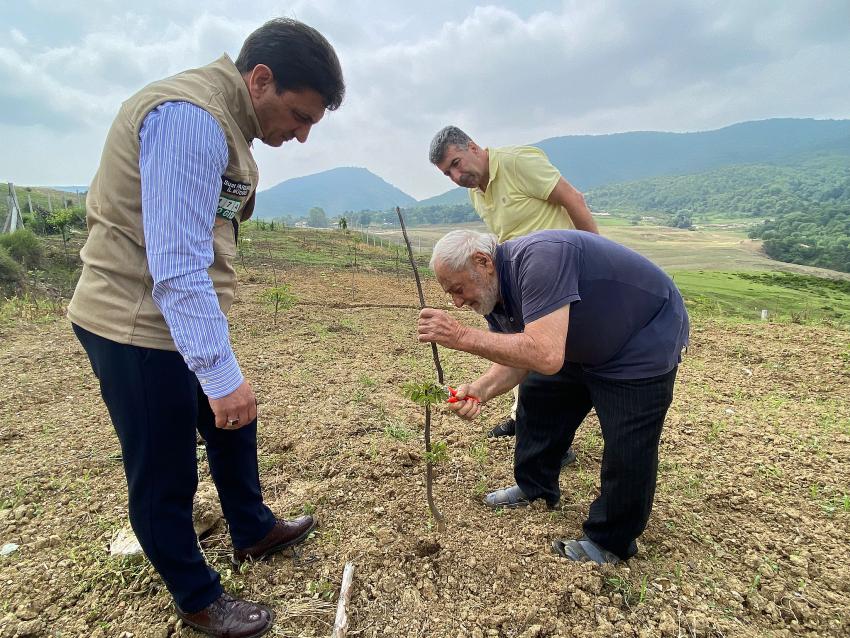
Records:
x=489, y=299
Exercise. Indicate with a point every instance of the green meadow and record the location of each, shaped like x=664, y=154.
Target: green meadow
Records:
x=786, y=296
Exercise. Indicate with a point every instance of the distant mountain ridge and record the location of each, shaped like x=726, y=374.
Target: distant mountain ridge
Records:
x=596, y=160
x=587, y=161
x=336, y=191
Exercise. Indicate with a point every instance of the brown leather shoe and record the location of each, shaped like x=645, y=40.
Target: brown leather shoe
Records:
x=284, y=534
x=229, y=617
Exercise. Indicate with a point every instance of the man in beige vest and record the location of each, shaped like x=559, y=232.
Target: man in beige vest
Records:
x=516, y=191
x=175, y=180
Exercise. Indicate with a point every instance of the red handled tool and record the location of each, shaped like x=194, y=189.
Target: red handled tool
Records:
x=453, y=399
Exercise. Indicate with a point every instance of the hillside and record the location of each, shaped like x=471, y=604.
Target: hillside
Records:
x=453, y=197
x=588, y=161
x=805, y=203
x=749, y=190
x=336, y=191
x=41, y=197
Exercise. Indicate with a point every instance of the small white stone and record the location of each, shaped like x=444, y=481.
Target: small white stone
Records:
x=9, y=548
x=124, y=543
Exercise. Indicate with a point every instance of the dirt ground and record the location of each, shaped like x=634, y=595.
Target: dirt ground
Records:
x=749, y=535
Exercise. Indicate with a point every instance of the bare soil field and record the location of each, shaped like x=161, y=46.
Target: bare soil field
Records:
x=749, y=535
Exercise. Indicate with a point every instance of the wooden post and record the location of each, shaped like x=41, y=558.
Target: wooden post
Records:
x=13, y=218
x=341, y=620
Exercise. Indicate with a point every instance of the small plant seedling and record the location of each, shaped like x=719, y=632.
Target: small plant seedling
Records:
x=425, y=393
x=281, y=297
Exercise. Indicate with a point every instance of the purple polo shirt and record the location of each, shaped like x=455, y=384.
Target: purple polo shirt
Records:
x=627, y=318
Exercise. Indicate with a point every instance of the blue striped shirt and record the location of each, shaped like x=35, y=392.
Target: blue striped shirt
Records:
x=182, y=158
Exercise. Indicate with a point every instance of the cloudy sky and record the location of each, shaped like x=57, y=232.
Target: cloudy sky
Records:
x=506, y=72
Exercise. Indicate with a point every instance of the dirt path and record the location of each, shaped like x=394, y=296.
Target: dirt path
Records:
x=749, y=535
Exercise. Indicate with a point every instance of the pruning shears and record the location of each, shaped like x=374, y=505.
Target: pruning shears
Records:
x=453, y=396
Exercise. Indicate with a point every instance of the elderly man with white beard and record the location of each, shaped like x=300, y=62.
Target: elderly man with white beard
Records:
x=581, y=322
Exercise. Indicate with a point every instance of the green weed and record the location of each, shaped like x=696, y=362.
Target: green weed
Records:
x=321, y=589
x=478, y=451
x=714, y=430
x=632, y=595
x=398, y=432
x=480, y=487
x=367, y=381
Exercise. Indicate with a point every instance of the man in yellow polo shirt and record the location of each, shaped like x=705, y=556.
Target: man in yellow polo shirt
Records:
x=516, y=190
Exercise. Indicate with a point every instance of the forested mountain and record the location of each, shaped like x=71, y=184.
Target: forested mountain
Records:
x=748, y=190
x=336, y=191
x=589, y=161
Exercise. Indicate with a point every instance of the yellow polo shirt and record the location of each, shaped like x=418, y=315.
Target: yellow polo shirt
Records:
x=514, y=204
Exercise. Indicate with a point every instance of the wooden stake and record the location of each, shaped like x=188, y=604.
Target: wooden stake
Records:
x=341, y=621
x=429, y=467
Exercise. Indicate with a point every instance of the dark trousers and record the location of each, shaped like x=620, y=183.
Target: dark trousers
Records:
x=631, y=413
x=156, y=405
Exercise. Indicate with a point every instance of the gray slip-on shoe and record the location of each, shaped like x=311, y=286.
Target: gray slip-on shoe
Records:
x=582, y=550
x=508, y=497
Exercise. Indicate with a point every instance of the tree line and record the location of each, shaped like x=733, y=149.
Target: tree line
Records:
x=805, y=206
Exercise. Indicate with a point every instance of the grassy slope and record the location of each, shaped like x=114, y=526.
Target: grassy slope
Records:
x=40, y=197
x=713, y=268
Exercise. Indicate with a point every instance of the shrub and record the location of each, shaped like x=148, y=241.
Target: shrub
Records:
x=11, y=273
x=23, y=246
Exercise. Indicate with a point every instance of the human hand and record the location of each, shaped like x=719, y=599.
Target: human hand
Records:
x=438, y=327
x=237, y=409
x=467, y=405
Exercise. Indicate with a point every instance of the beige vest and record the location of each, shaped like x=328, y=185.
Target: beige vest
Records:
x=113, y=297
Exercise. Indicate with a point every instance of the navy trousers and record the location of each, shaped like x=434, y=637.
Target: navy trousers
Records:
x=631, y=413
x=156, y=405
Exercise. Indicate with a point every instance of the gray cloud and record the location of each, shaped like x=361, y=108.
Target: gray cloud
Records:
x=507, y=75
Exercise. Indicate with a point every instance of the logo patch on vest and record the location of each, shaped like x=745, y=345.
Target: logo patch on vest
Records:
x=231, y=198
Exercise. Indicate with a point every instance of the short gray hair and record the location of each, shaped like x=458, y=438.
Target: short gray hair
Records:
x=456, y=248
x=445, y=137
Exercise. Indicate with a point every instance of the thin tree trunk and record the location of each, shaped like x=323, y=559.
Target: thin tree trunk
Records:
x=429, y=469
